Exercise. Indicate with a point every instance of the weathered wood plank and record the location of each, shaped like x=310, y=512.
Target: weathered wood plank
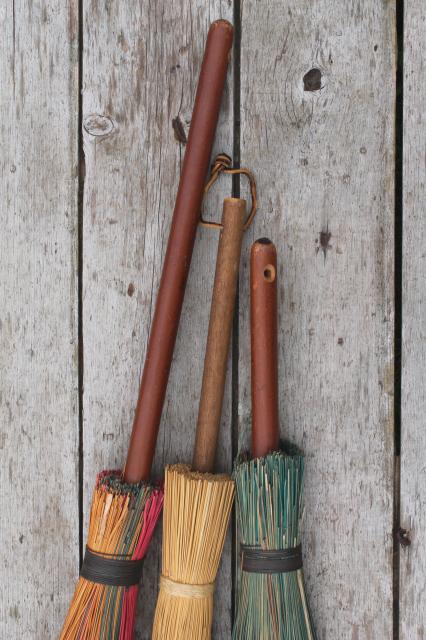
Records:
x=38, y=310
x=317, y=97
x=413, y=397
x=140, y=67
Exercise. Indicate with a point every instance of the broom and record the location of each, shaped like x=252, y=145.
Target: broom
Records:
x=271, y=602
x=125, y=507
x=197, y=503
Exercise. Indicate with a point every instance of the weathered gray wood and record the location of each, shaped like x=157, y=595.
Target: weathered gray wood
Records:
x=413, y=400
x=38, y=312
x=140, y=67
x=322, y=149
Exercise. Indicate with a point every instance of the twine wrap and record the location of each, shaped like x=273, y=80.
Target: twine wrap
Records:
x=258, y=560
x=115, y=571
x=182, y=590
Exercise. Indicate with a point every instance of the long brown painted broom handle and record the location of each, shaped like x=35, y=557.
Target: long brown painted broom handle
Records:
x=219, y=334
x=264, y=357
x=179, y=251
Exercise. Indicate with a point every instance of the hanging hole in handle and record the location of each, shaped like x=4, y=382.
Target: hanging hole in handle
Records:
x=269, y=273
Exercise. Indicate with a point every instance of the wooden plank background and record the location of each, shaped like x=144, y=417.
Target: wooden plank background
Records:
x=318, y=128
x=413, y=405
x=38, y=315
x=313, y=114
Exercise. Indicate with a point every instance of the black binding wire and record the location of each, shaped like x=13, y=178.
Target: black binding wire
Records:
x=257, y=560
x=115, y=571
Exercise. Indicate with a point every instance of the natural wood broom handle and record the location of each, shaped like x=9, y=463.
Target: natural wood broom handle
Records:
x=179, y=251
x=264, y=357
x=219, y=334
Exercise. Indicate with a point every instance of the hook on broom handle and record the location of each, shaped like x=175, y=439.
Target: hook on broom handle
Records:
x=179, y=251
x=219, y=334
x=264, y=355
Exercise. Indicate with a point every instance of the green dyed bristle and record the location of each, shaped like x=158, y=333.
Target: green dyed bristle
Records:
x=269, y=511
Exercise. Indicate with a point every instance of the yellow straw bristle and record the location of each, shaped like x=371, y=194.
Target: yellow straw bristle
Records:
x=197, y=507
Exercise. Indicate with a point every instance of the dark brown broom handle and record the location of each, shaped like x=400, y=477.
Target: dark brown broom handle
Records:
x=219, y=335
x=264, y=356
x=179, y=251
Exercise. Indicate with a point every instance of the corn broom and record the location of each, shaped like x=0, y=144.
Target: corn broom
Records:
x=197, y=503
x=125, y=506
x=271, y=601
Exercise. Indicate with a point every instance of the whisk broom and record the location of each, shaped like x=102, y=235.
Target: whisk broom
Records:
x=125, y=506
x=198, y=503
x=271, y=603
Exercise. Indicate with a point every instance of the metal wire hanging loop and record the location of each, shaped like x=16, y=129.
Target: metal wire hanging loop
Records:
x=222, y=164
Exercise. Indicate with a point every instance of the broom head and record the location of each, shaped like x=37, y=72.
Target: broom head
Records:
x=122, y=521
x=197, y=507
x=271, y=606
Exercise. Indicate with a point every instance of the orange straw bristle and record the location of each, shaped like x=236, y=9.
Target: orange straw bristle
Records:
x=122, y=521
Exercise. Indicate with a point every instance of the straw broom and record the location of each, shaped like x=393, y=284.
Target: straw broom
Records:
x=122, y=521
x=125, y=505
x=271, y=602
x=197, y=503
x=198, y=508
x=271, y=606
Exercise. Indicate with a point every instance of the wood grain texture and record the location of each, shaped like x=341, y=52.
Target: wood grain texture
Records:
x=38, y=315
x=317, y=113
x=140, y=70
x=413, y=397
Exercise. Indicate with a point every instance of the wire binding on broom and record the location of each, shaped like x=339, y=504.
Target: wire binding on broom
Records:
x=122, y=521
x=197, y=507
x=269, y=496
